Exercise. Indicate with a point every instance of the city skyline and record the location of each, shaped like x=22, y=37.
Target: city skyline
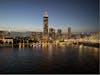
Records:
x=27, y=15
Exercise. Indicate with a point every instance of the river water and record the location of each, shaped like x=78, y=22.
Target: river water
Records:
x=50, y=60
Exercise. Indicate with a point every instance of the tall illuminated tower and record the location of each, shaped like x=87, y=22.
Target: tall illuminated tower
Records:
x=45, y=24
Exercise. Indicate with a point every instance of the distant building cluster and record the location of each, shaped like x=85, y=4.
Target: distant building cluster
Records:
x=48, y=34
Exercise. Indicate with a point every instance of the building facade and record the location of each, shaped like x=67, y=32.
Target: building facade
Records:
x=59, y=33
x=45, y=27
x=45, y=24
x=52, y=33
x=69, y=32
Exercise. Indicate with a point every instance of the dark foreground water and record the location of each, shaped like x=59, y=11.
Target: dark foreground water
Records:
x=49, y=60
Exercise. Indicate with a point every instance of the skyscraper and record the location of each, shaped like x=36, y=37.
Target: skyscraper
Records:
x=45, y=24
x=52, y=33
x=59, y=32
x=69, y=32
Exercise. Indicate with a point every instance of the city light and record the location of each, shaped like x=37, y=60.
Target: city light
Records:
x=59, y=37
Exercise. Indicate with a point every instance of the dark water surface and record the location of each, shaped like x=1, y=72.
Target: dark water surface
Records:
x=49, y=60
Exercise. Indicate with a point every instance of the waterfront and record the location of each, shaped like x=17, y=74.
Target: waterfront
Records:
x=51, y=59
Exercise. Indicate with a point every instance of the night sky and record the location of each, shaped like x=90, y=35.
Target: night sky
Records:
x=27, y=15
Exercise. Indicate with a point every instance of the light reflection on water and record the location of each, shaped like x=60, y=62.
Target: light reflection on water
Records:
x=50, y=59
x=80, y=51
x=50, y=51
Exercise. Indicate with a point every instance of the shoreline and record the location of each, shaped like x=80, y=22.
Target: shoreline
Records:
x=63, y=44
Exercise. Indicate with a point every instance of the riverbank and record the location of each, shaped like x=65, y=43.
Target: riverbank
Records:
x=62, y=44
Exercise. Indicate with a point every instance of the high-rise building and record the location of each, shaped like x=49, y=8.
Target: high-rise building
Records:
x=45, y=24
x=52, y=33
x=59, y=32
x=69, y=32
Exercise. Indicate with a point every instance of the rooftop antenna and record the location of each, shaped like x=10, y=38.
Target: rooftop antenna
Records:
x=45, y=14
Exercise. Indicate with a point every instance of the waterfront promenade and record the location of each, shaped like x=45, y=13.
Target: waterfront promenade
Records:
x=93, y=40
x=56, y=43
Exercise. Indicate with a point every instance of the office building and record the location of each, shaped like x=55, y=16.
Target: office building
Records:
x=52, y=33
x=69, y=32
x=45, y=24
x=59, y=32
